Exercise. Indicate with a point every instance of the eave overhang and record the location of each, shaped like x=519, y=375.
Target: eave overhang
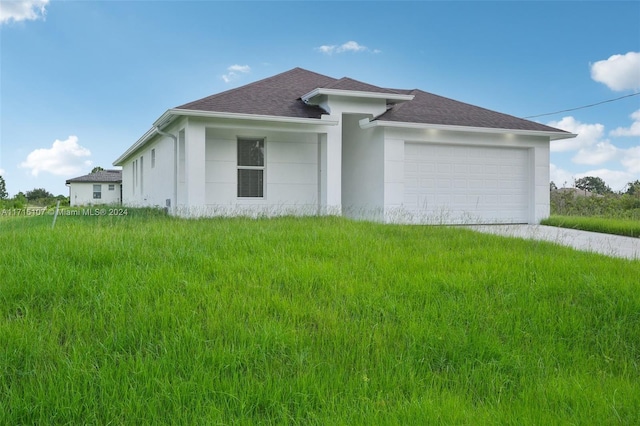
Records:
x=312, y=98
x=368, y=124
x=171, y=114
x=168, y=116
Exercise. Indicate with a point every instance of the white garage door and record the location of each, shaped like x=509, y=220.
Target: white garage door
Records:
x=466, y=184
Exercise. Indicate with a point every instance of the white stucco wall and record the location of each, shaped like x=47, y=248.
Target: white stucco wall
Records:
x=152, y=182
x=362, y=171
x=81, y=194
x=199, y=173
x=291, y=172
x=363, y=195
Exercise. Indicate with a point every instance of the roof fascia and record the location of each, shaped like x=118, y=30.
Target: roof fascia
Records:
x=308, y=98
x=148, y=135
x=367, y=124
x=166, y=118
x=323, y=121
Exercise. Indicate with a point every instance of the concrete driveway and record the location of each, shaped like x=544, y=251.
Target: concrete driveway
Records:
x=610, y=245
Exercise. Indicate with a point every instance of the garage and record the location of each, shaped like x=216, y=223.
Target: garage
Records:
x=464, y=184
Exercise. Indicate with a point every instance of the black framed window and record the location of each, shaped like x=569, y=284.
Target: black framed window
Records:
x=251, y=168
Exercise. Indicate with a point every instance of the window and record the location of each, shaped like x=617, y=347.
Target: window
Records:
x=112, y=187
x=135, y=176
x=251, y=168
x=141, y=175
x=97, y=192
x=153, y=158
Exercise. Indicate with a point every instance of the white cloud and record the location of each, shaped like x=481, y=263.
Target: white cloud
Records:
x=631, y=159
x=633, y=130
x=562, y=178
x=240, y=68
x=64, y=158
x=594, y=149
x=598, y=154
x=21, y=10
x=615, y=179
x=619, y=72
x=2, y=172
x=588, y=134
x=235, y=71
x=350, y=46
x=326, y=49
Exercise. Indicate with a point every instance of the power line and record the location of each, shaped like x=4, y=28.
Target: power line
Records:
x=585, y=106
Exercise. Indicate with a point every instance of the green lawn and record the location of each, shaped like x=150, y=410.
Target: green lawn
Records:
x=153, y=320
x=625, y=227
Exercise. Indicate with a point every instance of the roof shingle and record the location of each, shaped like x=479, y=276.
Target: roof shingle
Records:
x=428, y=108
x=103, y=176
x=279, y=95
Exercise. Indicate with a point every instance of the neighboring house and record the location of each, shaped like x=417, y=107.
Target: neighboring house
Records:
x=103, y=187
x=305, y=143
x=576, y=192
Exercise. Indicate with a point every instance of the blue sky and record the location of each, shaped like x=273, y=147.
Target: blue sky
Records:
x=80, y=81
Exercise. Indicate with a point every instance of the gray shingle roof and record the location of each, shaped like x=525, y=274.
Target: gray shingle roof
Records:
x=103, y=176
x=279, y=95
x=428, y=108
x=347, y=83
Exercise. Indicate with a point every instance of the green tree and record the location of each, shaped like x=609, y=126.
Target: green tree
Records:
x=19, y=200
x=593, y=184
x=3, y=189
x=37, y=194
x=552, y=186
x=633, y=188
x=97, y=169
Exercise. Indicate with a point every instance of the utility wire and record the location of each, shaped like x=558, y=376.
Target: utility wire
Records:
x=585, y=106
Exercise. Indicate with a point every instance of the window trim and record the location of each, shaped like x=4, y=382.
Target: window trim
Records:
x=263, y=168
x=99, y=193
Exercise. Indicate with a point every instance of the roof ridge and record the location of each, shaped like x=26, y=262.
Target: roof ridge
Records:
x=370, y=86
x=253, y=83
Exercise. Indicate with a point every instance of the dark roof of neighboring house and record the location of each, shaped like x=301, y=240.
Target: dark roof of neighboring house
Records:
x=280, y=95
x=577, y=192
x=103, y=176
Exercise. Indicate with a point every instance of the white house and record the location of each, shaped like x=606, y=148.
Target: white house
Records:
x=103, y=187
x=305, y=143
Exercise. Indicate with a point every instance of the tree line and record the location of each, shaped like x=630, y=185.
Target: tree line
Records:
x=36, y=197
x=596, y=185
x=596, y=198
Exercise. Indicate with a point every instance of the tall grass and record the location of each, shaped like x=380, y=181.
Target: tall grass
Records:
x=157, y=320
x=625, y=227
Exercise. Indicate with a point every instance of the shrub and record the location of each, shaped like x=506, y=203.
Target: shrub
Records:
x=572, y=203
